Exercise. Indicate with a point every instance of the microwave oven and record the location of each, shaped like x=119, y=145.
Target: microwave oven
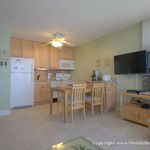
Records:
x=66, y=64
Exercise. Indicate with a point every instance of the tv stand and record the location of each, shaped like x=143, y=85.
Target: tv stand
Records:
x=134, y=112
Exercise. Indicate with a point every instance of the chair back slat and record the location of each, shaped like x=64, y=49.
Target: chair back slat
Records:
x=78, y=95
x=97, y=93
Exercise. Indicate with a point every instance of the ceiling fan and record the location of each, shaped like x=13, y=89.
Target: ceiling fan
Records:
x=58, y=40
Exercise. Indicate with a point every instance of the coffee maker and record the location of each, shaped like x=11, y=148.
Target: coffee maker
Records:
x=95, y=75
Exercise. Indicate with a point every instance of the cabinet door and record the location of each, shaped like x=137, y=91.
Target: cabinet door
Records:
x=66, y=53
x=37, y=93
x=37, y=46
x=45, y=92
x=45, y=56
x=54, y=58
x=69, y=53
x=111, y=96
x=27, y=49
x=15, y=47
x=41, y=92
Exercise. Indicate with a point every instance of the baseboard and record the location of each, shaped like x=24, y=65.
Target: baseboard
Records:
x=4, y=112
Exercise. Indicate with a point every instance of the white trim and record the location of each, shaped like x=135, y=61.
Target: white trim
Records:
x=4, y=112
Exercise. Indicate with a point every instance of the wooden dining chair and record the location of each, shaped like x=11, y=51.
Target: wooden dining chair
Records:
x=96, y=98
x=77, y=101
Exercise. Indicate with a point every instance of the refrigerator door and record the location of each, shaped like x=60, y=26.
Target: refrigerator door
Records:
x=21, y=64
x=22, y=89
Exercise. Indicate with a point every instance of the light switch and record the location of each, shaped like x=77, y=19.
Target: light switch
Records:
x=1, y=63
x=5, y=63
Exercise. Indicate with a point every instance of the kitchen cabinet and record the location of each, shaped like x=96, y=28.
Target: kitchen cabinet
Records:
x=41, y=55
x=27, y=49
x=15, y=47
x=54, y=58
x=45, y=54
x=41, y=92
x=21, y=48
x=41, y=75
x=66, y=53
x=60, y=53
x=110, y=96
x=135, y=113
x=36, y=53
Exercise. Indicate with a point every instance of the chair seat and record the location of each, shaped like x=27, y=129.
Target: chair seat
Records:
x=88, y=98
x=69, y=102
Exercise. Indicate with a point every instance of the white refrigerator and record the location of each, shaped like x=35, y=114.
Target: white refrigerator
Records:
x=22, y=82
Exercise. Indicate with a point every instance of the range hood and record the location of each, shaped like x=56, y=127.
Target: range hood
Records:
x=41, y=69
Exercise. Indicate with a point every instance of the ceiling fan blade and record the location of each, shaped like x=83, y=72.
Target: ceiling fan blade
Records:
x=48, y=43
x=68, y=43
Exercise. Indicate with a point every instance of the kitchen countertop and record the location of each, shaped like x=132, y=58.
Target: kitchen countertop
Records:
x=41, y=81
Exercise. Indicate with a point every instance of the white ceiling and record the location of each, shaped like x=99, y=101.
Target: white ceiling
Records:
x=80, y=20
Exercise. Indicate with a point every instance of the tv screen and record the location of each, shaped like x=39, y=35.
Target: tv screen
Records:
x=131, y=63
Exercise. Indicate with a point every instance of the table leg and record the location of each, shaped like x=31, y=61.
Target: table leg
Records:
x=65, y=106
x=51, y=101
x=120, y=101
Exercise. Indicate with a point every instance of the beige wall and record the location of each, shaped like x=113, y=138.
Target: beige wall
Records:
x=124, y=41
x=5, y=72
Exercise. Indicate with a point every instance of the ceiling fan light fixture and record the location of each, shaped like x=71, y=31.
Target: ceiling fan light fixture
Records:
x=56, y=43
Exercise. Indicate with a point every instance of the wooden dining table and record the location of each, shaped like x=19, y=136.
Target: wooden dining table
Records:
x=65, y=90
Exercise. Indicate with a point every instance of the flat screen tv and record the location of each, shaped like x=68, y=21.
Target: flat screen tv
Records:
x=131, y=63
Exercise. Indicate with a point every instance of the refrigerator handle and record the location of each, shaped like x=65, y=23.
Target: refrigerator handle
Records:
x=32, y=71
x=32, y=76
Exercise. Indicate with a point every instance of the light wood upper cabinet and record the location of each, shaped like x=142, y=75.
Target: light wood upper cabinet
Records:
x=41, y=55
x=15, y=47
x=66, y=53
x=45, y=54
x=60, y=53
x=37, y=46
x=54, y=58
x=27, y=49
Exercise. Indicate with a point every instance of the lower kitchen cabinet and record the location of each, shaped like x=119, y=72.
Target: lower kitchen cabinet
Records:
x=41, y=92
x=110, y=96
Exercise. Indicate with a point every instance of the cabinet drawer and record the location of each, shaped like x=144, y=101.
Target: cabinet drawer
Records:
x=111, y=85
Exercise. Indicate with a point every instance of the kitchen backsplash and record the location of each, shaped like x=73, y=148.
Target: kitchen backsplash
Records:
x=50, y=75
x=40, y=75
